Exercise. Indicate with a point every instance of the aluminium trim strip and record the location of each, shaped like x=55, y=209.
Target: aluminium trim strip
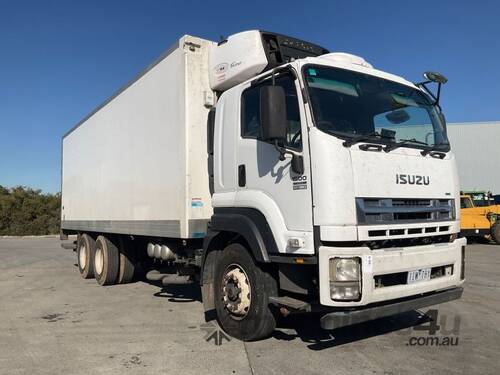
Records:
x=160, y=228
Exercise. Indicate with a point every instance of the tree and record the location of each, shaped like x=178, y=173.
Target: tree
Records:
x=25, y=211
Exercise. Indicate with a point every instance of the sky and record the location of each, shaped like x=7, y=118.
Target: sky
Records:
x=61, y=59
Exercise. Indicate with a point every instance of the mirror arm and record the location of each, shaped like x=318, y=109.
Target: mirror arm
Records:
x=426, y=89
x=435, y=97
x=283, y=151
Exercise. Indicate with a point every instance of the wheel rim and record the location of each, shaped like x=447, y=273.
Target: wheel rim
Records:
x=236, y=293
x=82, y=256
x=99, y=261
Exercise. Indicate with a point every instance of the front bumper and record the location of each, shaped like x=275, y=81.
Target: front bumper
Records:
x=475, y=232
x=388, y=261
x=344, y=318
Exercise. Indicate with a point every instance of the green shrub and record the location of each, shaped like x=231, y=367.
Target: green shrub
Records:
x=25, y=211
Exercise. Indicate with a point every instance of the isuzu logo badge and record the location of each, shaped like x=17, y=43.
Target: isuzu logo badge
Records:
x=411, y=179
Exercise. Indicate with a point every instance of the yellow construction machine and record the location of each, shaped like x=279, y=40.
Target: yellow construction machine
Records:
x=479, y=221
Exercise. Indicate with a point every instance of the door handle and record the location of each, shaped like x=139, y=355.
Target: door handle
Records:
x=242, y=175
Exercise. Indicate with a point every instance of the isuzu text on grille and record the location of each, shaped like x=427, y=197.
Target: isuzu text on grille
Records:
x=411, y=179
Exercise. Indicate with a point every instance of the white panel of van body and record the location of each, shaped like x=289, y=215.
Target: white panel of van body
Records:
x=234, y=61
x=138, y=164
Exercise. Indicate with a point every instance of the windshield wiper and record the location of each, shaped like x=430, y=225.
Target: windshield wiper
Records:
x=404, y=143
x=437, y=149
x=385, y=134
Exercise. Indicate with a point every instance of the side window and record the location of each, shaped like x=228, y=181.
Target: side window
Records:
x=250, y=116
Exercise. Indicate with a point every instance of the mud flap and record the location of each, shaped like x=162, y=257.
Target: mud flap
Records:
x=207, y=286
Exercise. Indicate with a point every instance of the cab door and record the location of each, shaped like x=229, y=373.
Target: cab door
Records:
x=265, y=182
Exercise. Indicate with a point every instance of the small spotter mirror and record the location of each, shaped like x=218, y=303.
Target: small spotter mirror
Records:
x=435, y=77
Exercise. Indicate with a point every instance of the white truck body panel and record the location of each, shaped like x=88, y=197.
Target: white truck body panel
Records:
x=138, y=164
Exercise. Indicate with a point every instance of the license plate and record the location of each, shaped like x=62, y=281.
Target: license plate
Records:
x=419, y=275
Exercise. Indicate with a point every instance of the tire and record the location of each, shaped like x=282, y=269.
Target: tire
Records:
x=106, y=261
x=249, y=318
x=127, y=261
x=85, y=251
x=495, y=232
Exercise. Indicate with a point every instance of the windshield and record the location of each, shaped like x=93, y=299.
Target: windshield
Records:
x=466, y=202
x=480, y=199
x=351, y=104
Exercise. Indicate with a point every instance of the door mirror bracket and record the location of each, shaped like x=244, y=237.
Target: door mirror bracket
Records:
x=297, y=162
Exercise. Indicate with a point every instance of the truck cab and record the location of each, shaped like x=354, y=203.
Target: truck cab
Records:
x=342, y=177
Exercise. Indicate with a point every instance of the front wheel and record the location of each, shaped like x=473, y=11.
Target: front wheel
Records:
x=242, y=292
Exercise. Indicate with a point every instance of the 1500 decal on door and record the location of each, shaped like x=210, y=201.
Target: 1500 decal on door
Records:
x=299, y=182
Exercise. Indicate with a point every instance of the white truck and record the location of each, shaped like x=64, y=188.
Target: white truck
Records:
x=281, y=177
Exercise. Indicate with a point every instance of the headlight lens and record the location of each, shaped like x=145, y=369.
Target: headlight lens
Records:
x=344, y=269
x=345, y=291
x=345, y=279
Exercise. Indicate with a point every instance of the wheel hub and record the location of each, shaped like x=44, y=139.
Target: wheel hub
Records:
x=82, y=256
x=232, y=291
x=236, y=291
x=99, y=261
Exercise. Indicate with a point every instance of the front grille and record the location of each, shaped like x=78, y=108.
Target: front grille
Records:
x=397, y=210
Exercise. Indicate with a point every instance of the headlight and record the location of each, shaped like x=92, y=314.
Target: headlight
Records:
x=344, y=269
x=345, y=279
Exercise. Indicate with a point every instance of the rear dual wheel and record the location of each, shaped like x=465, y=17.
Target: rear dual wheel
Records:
x=85, y=252
x=112, y=264
x=128, y=260
x=106, y=261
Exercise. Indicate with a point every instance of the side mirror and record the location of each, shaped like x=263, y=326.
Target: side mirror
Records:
x=273, y=113
x=435, y=77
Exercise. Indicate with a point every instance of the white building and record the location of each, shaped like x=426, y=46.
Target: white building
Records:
x=477, y=149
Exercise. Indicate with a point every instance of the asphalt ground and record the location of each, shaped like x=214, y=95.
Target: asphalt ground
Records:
x=54, y=322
